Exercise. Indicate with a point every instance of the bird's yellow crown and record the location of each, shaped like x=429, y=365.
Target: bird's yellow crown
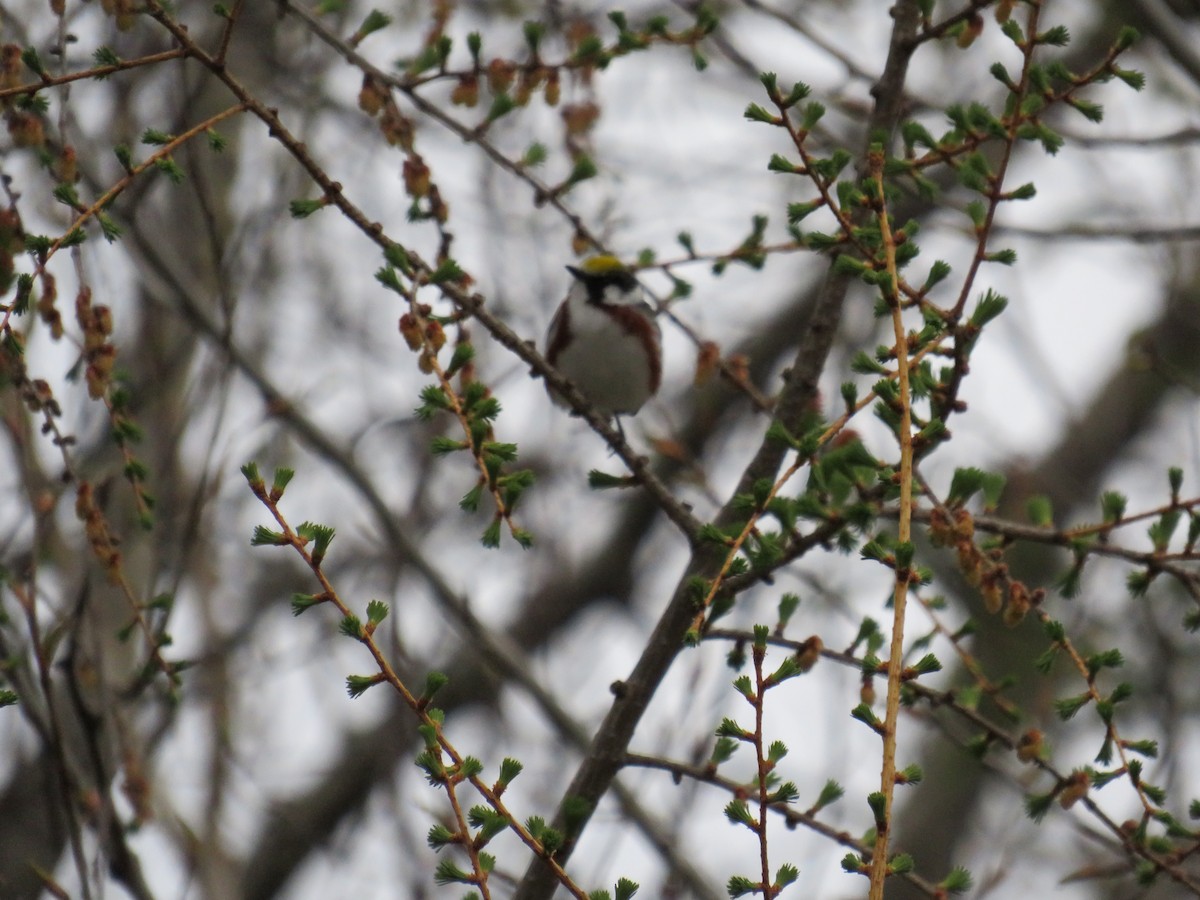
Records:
x=602, y=264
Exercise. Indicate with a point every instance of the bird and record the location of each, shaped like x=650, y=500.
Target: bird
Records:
x=604, y=338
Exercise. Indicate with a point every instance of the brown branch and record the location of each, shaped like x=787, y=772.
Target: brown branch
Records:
x=595, y=774
x=1168, y=863
x=97, y=72
x=418, y=705
x=792, y=817
x=472, y=304
x=542, y=192
x=152, y=160
x=903, y=573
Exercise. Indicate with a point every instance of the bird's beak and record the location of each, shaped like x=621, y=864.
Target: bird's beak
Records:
x=578, y=273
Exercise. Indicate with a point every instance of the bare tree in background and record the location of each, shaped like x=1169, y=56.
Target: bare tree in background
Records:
x=921, y=476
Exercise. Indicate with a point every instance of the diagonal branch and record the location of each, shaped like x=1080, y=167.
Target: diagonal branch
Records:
x=633, y=696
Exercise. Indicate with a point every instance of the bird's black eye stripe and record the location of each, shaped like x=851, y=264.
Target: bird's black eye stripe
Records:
x=597, y=284
x=624, y=280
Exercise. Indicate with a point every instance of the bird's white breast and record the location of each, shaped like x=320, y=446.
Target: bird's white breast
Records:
x=604, y=360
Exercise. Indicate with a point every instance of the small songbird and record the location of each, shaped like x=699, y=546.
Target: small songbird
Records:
x=604, y=338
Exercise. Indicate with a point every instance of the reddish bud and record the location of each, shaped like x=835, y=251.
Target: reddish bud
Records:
x=531, y=79
x=991, y=585
x=500, y=74
x=973, y=29
x=964, y=525
x=12, y=235
x=466, y=92
x=26, y=129
x=435, y=335
x=397, y=130
x=866, y=693
x=438, y=208
x=122, y=11
x=707, y=359
x=410, y=330
x=49, y=314
x=10, y=66
x=579, y=118
x=372, y=96
x=1074, y=789
x=66, y=168
x=1018, y=606
x=102, y=319
x=579, y=31
x=416, y=176
x=810, y=653
x=941, y=534
x=1030, y=746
